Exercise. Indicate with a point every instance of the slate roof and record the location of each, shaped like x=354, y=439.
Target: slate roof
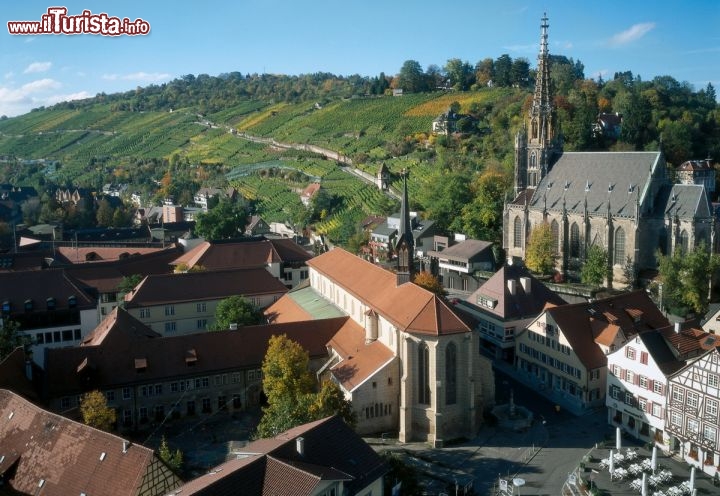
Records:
x=519, y=305
x=661, y=351
x=624, y=172
x=467, y=250
x=204, y=285
x=408, y=306
x=685, y=201
x=585, y=325
x=273, y=467
x=111, y=363
x=44, y=453
x=244, y=253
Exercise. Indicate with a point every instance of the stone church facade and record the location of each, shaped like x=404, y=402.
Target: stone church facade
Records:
x=623, y=202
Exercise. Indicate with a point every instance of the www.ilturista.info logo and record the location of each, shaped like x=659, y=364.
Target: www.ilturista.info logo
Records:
x=56, y=21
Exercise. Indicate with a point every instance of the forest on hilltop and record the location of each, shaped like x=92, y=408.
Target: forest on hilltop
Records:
x=169, y=140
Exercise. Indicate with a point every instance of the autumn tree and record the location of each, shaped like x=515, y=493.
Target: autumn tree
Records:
x=173, y=459
x=236, y=310
x=428, y=281
x=96, y=412
x=595, y=268
x=290, y=390
x=540, y=253
x=686, y=278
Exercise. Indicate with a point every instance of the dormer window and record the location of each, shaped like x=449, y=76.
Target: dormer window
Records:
x=50, y=303
x=140, y=365
x=6, y=306
x=28, y=305
x=72, y=302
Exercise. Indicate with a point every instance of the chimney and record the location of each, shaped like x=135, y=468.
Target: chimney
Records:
x=511, y=284
x=526, y=284
x=677, y=327
x=126, y=445
x=28, y=369
x=300, y=446
x=233, y=326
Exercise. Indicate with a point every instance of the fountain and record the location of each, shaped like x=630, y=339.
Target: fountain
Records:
x=512, y=416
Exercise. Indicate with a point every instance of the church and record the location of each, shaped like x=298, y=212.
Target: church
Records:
x=404, y=359
x=623, y=202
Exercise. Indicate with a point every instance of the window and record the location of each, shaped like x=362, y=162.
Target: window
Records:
x=173, y=387
x=643, y=381
x=170, y=326
x=451, y=374
x=619, y=254
x=657, y=410
x=630, y=353
x=713, y=380
x=127, y=417
x=615, y=392
x=630, y=376
x=629, y=399
x=169, y=310
x=126, y=393
x=201, y=324
x=206, y=405
x=711, y=407
x=642, y=404
x=683, y=242
x=205, y=382
x=710, y=433
x=693, y=425
x=423, y=369
x=658, y=388
x=616, y=371
x=190, y=407
x=110, y=395
x=67, y=335
x=201, y=307
x=144, y=313
x=692, y=399
x=644, y=357
x=143, y=414
x=39, y=338
x=65, y=403
x=517, y=232
x=675, y=419
x=574, y=240
x=158, y=389
x=678, y=394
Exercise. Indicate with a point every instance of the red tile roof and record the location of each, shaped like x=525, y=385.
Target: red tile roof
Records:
x=203, y=285
x=252, y=252
x=359, y=361
x=112, y=361
x=273, y=467
x=48, y=454
x=94, y=254
x=39, y=285
x=408, y=306
x=585, y=325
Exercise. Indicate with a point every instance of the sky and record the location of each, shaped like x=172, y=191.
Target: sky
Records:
x=659, y=38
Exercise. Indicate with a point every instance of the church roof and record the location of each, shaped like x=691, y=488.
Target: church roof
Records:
x=580, y=175
x=408, y=306
x=685, y=200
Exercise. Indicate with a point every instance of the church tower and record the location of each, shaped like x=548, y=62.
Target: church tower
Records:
x=533, y=155
x=405, y=245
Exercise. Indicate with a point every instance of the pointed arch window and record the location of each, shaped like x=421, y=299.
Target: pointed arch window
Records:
x=423, y=373
x=555, y=230
x=517, y=232
x=574, y=240
x=684, y=241
x=451, y=374
x=619, y=255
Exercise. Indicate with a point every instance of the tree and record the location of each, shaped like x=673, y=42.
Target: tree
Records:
x=174, y=460
x=428, y=281
x=226, y=220
x=460, y=74
x=595, y=268
x=503, y=68
x=127, y=284
x=104, y=213
x=96, y=412
x=289, y=388
x=482, y=217
x=540, y=254
x=686, y=278
x=411, y=77
x=10, y=337
x=236, y=310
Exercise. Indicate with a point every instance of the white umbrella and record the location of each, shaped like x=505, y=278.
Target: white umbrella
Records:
x=653, y=461
x=692, y=479
x=617, y=439
x=611, y=465
x=644, y=484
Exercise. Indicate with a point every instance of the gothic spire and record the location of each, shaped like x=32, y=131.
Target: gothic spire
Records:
x=405, y=245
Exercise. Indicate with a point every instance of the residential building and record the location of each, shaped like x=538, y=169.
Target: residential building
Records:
x=321, y=458
x=700, y=172
x=205, y=194
x=257, y=226
x=456, y=263
x=309, y=193
x=173, y=304
x=692, y=409
x=504, y=305
x=445, y=123
x=45, y=453
x=49, y=306
x=563, y=352
x=384, y=236
x=623, y=202
x=189, y=375
x=283, y=258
